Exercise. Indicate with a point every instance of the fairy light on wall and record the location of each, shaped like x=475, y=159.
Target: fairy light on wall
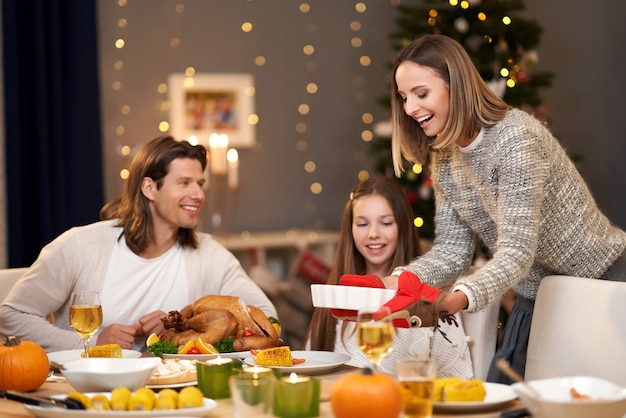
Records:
x=360, y=97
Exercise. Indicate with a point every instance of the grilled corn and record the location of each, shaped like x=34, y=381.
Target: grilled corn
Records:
x=465, y=391
x=276, y=356
x=106, y=350
x=440, y=385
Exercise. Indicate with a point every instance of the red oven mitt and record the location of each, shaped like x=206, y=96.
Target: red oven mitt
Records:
x=368, y=280
x=415, y=304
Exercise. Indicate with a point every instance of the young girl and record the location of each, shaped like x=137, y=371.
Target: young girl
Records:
x=498, y=175
x=377, y=234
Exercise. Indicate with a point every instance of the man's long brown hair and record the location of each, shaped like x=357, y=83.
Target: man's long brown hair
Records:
x=132, y=208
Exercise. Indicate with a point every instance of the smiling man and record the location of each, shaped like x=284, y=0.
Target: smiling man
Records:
x=145, y=258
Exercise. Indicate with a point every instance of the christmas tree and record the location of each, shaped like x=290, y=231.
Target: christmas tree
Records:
x=502, y=47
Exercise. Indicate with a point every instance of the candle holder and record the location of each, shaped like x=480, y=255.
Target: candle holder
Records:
x=252, y=394
x=297, y=397
x=213, y=376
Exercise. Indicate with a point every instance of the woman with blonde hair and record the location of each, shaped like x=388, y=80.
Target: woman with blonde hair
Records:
x=500, y=176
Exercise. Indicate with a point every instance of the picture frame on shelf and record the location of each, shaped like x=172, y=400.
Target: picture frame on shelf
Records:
x=210, y=103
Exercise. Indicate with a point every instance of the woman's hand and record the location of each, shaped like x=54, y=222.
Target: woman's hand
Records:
x=453, y=302
x=390, y=282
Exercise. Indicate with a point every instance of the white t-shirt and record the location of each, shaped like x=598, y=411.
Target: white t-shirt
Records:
x=145, y=283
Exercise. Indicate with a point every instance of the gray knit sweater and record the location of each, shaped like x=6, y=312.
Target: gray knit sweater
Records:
x=516, y=189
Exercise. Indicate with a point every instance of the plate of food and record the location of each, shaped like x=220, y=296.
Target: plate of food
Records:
x=59, y=358
x=43, y=412
x=309, y=362
x=204, y=357
x=173, y=385
x=497, y=394
x=173, y=373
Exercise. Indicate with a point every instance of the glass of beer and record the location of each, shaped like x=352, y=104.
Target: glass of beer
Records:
x=374, y=334
x=417, y=380
x=86, y=315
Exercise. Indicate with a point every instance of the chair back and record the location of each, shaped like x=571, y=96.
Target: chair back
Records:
x=482, y=329
x=578, y=329
x=8, y=277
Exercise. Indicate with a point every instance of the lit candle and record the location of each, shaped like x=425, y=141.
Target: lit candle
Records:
x=256, y=372
x=297, y=397
x=213, y=377
x=233, y=168
x=218, y=144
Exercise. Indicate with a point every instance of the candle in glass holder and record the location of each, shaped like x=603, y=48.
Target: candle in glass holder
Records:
x=218, y=143
x=297, y=397
x=213, y=377
x=233, y=168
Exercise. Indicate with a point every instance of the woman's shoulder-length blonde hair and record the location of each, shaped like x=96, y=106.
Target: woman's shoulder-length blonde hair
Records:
x=472, y=103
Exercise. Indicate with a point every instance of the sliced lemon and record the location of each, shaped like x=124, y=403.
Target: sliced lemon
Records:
x=205, y=347
x=184, y=348
x=153, y=338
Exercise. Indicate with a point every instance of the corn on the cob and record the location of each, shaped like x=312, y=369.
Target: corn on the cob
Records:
x=440, y=385
x=105, y=350
x=119, y=398
x=100, y=403
x=465, y=391
x=276, y=356
x=143, y=399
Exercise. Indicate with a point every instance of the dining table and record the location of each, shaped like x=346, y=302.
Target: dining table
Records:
x=57, y=385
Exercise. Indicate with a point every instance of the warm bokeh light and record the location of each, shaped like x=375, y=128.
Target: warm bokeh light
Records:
x=316, y=188
x=304, y=109
x=310, y=166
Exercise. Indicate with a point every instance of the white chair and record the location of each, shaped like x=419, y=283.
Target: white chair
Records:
x=482, y=329
x=578, y=329
x=8, y=277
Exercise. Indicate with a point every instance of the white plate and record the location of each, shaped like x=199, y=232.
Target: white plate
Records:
x=173, y=385
x=204, y=357
x=316, y=362
x=497, y=394
x=349, y=297
x=39, y=412
x=59, y=358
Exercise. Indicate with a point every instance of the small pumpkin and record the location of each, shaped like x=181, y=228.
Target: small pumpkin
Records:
x=24, y=365
x=366, y=394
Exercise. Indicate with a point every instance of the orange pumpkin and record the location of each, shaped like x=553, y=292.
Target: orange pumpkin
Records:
x=24, y=365
x=366, y=395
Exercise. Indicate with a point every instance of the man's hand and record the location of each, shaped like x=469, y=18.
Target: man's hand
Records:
x=151, y=323
x=124, y=335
